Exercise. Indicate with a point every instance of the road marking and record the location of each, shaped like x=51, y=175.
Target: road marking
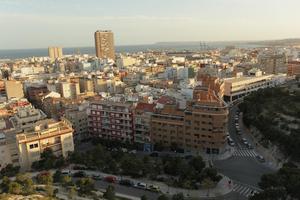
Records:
x=244, y=190
x=244, y=153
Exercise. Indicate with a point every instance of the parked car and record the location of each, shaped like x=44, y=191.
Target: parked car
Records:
x=133, y=151
x=231, y=144
x=96, y=177
x=126, y=182
x=79, y=174
x=153, y=188
x=260, y=158
x=66, y=172
x=111, y=179
x=141, y=185
x=244, y=140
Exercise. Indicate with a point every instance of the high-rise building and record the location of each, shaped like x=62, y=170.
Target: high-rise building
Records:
x=55, y=52
x=104, y=44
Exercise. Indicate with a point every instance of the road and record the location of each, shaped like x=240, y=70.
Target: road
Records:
x=127, y=190
x=243, y=167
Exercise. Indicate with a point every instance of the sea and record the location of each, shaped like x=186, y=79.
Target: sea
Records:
x=42, y=52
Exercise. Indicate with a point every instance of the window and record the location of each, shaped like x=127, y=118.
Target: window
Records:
x=32, y=146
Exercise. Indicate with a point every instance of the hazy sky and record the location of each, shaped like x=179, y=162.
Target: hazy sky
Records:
x=69, y=23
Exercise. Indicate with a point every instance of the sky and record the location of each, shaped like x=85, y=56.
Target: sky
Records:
x=72, y=23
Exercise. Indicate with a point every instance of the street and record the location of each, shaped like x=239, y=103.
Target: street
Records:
x=242, y=167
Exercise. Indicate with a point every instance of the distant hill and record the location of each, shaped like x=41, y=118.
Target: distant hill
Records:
x=281, y=42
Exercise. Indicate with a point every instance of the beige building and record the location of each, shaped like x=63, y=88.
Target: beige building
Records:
x=55, y=52
x=273, y=63
x=56, y=135
x=26, y=134
x=201, y=127
x=104, y=44
x=238, y=87
x=14, y=89
x=79, y=119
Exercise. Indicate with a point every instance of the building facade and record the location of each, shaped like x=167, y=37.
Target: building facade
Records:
x=46, y=134
x=104, y=44
x=200, y=127
x=55, y=52
x=111, y=120
x=14, y=89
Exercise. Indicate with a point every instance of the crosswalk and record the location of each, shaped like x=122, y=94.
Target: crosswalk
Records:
x=244, y=190
x=244, y=153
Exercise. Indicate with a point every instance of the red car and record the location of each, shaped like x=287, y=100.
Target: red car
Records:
x=111, y=179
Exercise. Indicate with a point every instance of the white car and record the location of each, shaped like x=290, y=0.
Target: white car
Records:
x=141, y=185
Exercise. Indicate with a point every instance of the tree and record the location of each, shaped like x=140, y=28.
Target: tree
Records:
x=5, y=184
x=57, y=176
x=86, y=185
x=45, y=178
x=178, y=196
x=72, y=193
x=162, y=197
x=14, y=188
x=197, y=163
x=9, y=171
x=49, y=190
x=28, y=186
x=109, y=193
x=66, y=181
x=144, y=197
x=208, y=183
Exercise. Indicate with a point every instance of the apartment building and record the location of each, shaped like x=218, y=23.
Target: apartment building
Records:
x=48, y=133
x=26, y=117
x=111, y=120
x=294, y=68
x=104, y=44
x=35, y=93
x=78, y=117
x=55, y=52
x=14, y=89
x=200, y=127
x=272, y=63
x=142, y=120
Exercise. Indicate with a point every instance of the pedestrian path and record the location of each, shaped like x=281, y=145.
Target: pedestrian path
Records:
x=244, y=190
x=244, y=153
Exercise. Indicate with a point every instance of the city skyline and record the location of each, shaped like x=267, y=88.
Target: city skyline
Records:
x=42, y=24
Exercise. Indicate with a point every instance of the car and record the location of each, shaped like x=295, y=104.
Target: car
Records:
x=141, y=185
x=110, y=179
x=154, y=154
x=249, y=146
x=126, y=182
x=153, y=188
x=133, y=151
x=66, y=172
x=244, y=140
x=239, y=132
x=231, y=144
x=96, y=177
x=260, y=158
x=79, y=174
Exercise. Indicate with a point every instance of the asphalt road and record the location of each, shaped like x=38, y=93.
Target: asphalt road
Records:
x=127, y=190
x=247, y=170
